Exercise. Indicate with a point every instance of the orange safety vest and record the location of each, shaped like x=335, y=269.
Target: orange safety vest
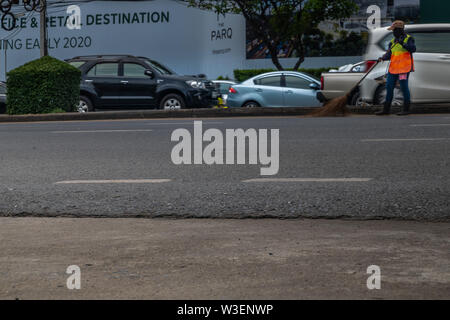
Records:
x=401, y=59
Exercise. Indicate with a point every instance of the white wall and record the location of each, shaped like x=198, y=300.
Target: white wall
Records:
x=185, y=42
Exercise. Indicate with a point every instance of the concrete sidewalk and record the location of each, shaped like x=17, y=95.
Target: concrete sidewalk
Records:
x=222, y=259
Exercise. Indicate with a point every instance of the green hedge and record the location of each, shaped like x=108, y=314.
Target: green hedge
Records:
x=242, y=75
x=42, y=86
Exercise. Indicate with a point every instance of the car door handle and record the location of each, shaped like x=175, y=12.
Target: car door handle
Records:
x=89, y=81
x=124, y=82
x=259, y=90
x=446, y=57
x=289, y=92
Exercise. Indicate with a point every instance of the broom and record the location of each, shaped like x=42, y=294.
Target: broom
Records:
x=339, y=105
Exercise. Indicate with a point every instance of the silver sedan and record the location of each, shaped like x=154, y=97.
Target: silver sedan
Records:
x=276, y=89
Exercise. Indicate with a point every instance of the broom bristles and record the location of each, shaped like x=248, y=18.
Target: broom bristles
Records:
x=338, y=106
x=333, y=108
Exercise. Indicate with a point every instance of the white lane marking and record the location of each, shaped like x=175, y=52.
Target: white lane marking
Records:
x=140, y=181
x=308, y=180
x=180, y=123
x=102, y=131
x=405, y=140
x=431, y=125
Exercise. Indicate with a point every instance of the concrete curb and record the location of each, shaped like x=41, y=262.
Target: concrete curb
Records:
x=159, y=114
x=415, y=109
x=200, y=113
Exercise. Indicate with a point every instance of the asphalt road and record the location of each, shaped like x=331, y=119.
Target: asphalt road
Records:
x=402, y=164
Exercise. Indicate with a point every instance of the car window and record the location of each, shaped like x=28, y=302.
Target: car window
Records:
x=384, y=44
x=297, y=82
x=224, y=88
x=359, y=68
x=274, y=81
x=426, y=41
x=2, y=89
x=77, y=64
x=159, y=67
x=432, y=42
x=133, y=70
x=107, y=69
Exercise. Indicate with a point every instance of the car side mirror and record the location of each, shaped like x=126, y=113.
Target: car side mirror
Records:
x=149, y=73
x=314, y=86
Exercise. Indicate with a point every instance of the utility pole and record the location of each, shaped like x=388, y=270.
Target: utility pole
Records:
x=43, y=29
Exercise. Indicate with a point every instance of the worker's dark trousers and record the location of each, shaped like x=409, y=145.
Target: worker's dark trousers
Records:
x=390, y=86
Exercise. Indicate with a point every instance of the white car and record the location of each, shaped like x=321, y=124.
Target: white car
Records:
x=430, y=83
x=358, y=67
x=336, y=83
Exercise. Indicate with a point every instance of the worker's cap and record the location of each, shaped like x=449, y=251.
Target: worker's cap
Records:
x=397, y=24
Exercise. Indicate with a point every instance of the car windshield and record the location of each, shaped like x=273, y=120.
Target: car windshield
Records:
x=77, y=64
x=159, y=67
x=431, y=41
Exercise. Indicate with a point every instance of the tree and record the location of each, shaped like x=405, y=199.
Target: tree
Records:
x=280, y=22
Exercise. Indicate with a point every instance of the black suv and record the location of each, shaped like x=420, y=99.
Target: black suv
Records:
x=2, y=97
x=125, y=81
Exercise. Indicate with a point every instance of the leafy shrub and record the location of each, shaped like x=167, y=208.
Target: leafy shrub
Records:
x=223, y=78
x=43, y=86
x=242, y=75
x=58, y=110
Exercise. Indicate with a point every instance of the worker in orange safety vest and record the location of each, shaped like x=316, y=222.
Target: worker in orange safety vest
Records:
x=400, y=53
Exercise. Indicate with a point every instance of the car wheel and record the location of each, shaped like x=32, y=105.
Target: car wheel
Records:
x=172, y=102
x=357, y=100
x=2, y=108
x=381, y=93
x=85, y=105
x=251, y=104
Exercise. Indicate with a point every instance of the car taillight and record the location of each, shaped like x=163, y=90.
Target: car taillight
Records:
x=369, y=64
x=232, y=90
x=322, y=83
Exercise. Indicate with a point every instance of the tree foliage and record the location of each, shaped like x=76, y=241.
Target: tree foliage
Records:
x=321, y=44
x=44, y=85
x=279, y=22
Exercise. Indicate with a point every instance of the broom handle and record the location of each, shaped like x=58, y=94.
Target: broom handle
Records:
x=365, y=76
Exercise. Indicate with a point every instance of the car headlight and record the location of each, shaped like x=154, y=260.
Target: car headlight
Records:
x=196, y=84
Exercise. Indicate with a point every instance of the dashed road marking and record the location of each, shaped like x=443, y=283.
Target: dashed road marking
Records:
x=102, y=131
x=431, y=125
x=405, y=140
x=265, y=180
x=139, y=181
x=181, y=123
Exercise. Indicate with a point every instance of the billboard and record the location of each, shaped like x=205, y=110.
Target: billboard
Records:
x=188, y=40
